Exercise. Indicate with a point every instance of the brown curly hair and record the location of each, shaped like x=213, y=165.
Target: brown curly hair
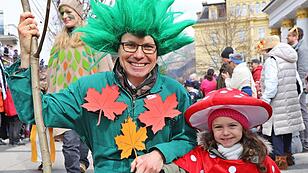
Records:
x=254, y=149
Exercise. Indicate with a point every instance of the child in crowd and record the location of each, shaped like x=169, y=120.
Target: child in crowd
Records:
x=226, y=144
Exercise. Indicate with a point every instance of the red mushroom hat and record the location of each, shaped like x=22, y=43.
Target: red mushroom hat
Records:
x=255, y=110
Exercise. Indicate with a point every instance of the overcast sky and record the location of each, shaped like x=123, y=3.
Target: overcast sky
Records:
x=190, y=7
x=12, y=10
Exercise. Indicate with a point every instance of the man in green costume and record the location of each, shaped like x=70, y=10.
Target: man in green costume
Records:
x=138, y=31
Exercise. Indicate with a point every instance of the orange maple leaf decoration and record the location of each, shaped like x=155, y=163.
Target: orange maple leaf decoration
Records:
x=105, y=102
x=158, y=111
x=131, y=138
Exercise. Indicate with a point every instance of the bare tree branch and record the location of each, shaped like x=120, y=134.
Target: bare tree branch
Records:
x=37, y=101
x=233, y=30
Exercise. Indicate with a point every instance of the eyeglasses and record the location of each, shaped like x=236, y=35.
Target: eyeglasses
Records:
x=132, y=47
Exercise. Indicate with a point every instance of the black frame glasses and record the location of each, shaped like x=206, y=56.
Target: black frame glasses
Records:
x=132, y=47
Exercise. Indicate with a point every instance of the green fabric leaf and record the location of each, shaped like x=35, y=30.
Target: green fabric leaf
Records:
x=60, y=79
x=54, y=65
x=52, y=51
x=75, y=79
x=52, y=58
x=84, y=53
x=85, y=64
x=90, y=59
x=53, y=79
x=77, y=55
x=88, y=50
x=74, y=65
x=69, y=55
x=61, y=56
x=50, y=61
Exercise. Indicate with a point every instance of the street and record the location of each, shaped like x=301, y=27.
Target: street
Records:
x=17, y=160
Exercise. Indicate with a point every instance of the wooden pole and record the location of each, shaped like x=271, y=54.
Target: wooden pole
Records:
x=36, y=92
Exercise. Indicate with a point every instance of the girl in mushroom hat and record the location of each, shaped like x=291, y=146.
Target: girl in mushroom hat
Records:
x=226, y=144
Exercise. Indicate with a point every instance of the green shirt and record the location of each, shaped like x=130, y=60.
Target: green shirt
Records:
x=64, y=110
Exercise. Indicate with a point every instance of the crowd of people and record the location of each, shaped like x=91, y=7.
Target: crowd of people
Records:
x=223, y=123
x=11, y=127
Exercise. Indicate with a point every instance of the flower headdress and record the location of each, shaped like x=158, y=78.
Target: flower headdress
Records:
x=139, y=17
x=260, y=45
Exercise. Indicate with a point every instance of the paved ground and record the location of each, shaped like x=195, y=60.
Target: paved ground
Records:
x=17, y=160
x=301, y=164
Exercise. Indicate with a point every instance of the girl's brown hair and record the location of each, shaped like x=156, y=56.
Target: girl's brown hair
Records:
x=254, y=149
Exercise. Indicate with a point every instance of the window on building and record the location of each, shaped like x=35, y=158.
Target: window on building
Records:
x=221, y=9
x=213, y=14
x=242, y=35
x=263, y=6
x=261, y=32
x=251, y=8
x=238, y=10
x=214, y=39
x=205, y=14
x=232, y=11
x=244, y=10
x=258, y=8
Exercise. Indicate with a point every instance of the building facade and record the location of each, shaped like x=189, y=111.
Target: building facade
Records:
x=283, y=15
x=236, y=23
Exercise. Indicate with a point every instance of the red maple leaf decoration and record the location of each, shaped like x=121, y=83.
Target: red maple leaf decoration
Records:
x=105, y=102
x=158, y=111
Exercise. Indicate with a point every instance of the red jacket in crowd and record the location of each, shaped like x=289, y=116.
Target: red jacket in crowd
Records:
x=256, y=73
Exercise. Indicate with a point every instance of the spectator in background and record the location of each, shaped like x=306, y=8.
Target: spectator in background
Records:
x=256, y=74
x=241, y=78
x=278, y=81
x=209, y=82
x=256, y=69
x=6, y=58
x=193, y=78
x=225, y=54
x=194, y=93
x=224, y=67
x=15, y=55
x=12, y=123
x=295, y=39
x=1, y=50
x=3, y=131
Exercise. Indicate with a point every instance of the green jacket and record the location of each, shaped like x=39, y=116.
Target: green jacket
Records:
x=64, y=110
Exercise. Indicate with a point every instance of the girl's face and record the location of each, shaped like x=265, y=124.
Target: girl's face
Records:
x=227, y=131
x=69, y=17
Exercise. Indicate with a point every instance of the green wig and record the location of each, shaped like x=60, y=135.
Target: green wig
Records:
x=139, y=17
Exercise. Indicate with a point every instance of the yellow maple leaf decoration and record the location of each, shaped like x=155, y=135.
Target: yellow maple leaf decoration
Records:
x=131, y=139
